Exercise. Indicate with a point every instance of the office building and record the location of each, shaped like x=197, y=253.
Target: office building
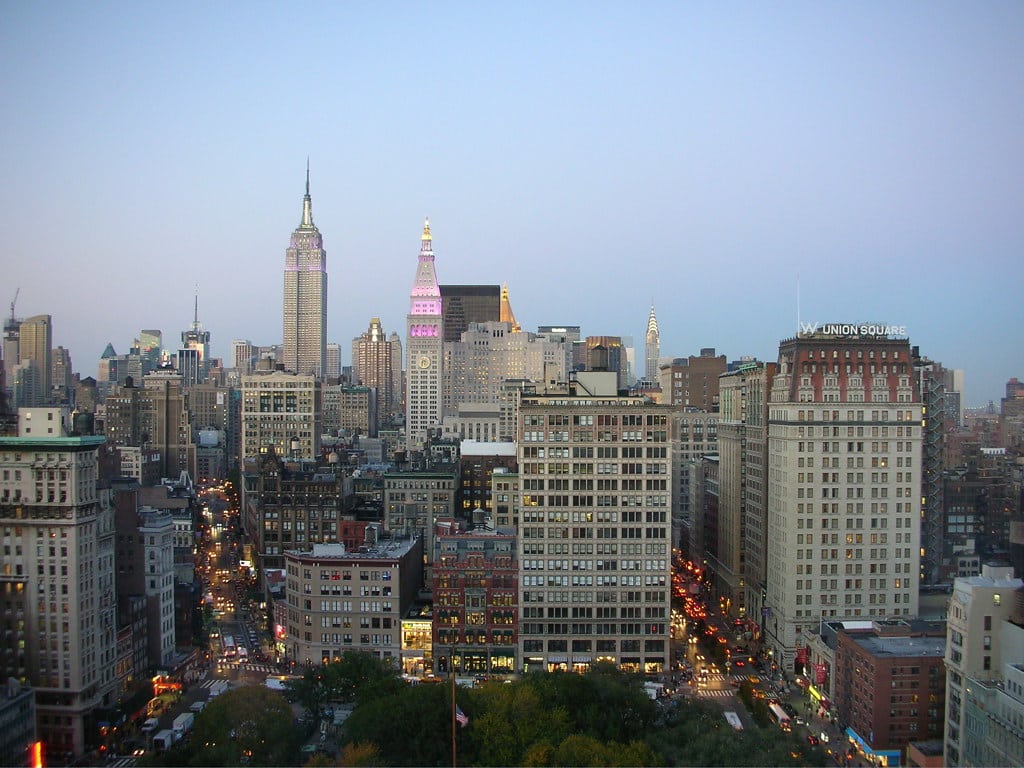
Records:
x=60, y=634
x=979, y=605
x=505, y=313
x=478, y=461
x=280, y=407
x=595, y=528
x=194, y=355
x=348, y=409
x=164, y=422
x=993, y=733
x=844, y=484
x=467, y=304
x=372, y=360
x=653, y=348
x=341, y=600
x=17, y=722
x=424, y=347
x=31, y=376
x=607, y=353
x=414, y=503
x=737, y=567
x=305, y=297
x=692, y=382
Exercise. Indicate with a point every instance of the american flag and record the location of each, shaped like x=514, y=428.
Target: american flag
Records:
x=461, y=716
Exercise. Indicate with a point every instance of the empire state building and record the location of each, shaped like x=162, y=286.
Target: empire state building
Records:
x=305, y=296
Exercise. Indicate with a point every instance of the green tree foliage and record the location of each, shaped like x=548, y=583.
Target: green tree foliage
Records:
x=247, y=726
x=355, y=676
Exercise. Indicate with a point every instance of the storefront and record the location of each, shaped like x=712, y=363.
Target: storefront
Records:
x=884, y=758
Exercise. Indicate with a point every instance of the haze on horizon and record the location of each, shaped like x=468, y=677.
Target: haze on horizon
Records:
x=709, y=158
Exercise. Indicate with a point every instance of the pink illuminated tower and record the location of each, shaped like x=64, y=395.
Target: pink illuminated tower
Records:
x=424, y=348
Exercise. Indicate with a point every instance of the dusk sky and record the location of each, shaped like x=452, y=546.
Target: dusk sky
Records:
x=596, y=157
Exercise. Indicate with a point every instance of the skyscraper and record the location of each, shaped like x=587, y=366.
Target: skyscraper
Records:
x=36, y=350
x=425, y=347
x=371, y=359
x=465, y=304
x=653, y=342
x=843, y=501
x=194, y=355
x=58, y=590
x=305, y=296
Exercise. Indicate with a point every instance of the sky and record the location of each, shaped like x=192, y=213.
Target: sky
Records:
x=740, y=165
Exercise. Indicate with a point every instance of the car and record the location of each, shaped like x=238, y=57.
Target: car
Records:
x=739, y=663
x=813, y=740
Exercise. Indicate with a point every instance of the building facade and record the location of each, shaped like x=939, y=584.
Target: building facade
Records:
x=305, y=296
x=979, y=605
x=466, y=304
x=339, y=600
x=476, y=609
x=283, y=410
x=57, y=591
x=844, y=485
x=595, y=528
x=372, y=360
x=424, y=347
x=652, y=348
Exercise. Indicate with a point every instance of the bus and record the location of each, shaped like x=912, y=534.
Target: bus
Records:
x=734, y=720
x=243, y=653
x=230, y=649
x=779, y=716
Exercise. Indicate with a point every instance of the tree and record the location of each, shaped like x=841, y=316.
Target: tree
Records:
x=247, y=726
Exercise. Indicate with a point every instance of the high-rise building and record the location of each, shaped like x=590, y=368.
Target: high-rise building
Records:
x=278, y=408
x=61, y=375
x=164, y=422
x=607, y=353
x=35, y=348
x=58, y=533
x=844, y=485
x=397, y=373
x=305, y=296
x=243, y=355
x=194, y=355
x=692, y=382
x=595, y=528
x=653, y=348
x=371, y=362
x=424, y=347
x=506, y=315
x=333, y=361
x=738, y=566
x=974, y=653
x=465, y=304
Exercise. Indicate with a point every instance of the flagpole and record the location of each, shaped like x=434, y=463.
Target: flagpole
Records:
x=451, y=667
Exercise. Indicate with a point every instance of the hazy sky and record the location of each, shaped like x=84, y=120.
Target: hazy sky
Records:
x=709, y=157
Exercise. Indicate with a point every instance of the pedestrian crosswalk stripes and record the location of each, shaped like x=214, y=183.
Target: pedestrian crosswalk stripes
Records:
x=705, y=693
x=123, y=762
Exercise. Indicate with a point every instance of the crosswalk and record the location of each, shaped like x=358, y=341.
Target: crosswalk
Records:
x=123, y=762
x=706, y=693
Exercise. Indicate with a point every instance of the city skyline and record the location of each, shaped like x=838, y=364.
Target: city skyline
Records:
x=727, y=165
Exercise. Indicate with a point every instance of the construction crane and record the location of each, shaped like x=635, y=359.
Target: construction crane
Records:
x=13, y=301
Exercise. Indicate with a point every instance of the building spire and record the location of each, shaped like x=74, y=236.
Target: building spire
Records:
x=307, y=202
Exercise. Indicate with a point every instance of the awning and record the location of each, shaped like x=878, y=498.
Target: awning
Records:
x=558, y=659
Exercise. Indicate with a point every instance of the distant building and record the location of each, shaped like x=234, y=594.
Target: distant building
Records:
x=477, y=462
x=425, y=350
x=467, y=304
x=692, y=382
x=282, y=410
x=653, y=348
x=415, y=501
x=305, y=297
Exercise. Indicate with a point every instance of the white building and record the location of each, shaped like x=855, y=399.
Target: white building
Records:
x=844, y=485
x=57, y=589
x=425, y=349
x=277, y=409
x=978, y=608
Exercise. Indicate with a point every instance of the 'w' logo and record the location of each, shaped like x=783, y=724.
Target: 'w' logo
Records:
x=808, y=327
